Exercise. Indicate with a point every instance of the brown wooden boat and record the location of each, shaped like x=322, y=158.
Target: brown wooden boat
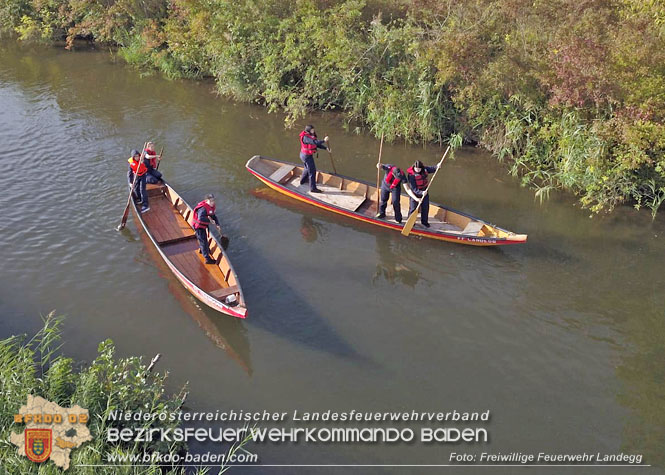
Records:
x=168, y=225
x=357, y=199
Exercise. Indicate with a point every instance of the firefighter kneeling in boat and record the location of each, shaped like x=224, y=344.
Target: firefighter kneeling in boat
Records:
x=203, y=213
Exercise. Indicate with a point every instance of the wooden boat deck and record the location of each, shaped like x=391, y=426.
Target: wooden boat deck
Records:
x=357, y=199
x=164, y=221
x=367, y=206
x=168, y=224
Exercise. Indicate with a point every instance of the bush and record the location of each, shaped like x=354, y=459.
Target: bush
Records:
x=108, y=383
x=571, y=93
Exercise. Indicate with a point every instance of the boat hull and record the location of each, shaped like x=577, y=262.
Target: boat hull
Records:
x=482, y=241
x=192, y=287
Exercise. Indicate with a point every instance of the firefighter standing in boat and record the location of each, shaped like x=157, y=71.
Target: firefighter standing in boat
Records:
x=203, y=213
x=390, y=186
x=417, y=180
x=308, y=146
x=136, y=166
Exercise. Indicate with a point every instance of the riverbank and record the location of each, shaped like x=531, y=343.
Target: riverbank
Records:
x=33, y=368
x=570, y=94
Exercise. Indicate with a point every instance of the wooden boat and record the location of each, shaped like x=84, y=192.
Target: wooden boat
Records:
x=357, y=199
x=168, y=224
x=227, y=334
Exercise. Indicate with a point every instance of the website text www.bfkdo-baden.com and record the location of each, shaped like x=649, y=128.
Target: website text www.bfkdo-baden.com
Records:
x=244, y=430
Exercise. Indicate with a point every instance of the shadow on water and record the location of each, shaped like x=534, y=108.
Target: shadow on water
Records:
x=301, y=324
x=227, y=333
x=286, y=314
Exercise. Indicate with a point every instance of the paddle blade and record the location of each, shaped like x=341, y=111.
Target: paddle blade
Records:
x=406, y=230
x=123, y=221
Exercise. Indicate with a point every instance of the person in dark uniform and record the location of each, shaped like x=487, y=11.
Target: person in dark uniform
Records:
x=139, y=168
x=390, y=185
x=203, y=213
x=417, y=180
x=153, y=176
x=308, y=146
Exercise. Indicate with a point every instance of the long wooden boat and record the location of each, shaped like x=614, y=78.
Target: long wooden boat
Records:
x=227, y=334
x=168, y=224
x=357, y=199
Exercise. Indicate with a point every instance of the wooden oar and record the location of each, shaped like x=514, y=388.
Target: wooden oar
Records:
x=412, y=218
x=123, y=221
x=378, y=174
x=332, y=162
x=159, y=159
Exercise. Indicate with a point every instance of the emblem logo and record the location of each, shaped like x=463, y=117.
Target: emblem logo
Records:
x=38, y=444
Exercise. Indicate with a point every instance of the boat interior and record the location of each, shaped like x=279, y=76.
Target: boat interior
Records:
x=168, y=221
x=361, y=198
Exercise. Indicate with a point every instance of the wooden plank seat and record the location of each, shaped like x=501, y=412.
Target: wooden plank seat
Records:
x=281, y=173
x=333, y=195
x=155, y=190
x=361, y=204
x=165, y=222
x=166, y=242
x=225, y=292
x=473, y=228
x=186, y=244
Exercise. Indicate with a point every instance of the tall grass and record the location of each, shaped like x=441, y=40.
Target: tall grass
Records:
x=570, y=94
x=36, y=367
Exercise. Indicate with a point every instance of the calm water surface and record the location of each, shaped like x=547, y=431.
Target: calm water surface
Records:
x=563, y=339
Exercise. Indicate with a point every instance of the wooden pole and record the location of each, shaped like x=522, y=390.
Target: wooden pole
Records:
x=412, y=218
x=332, y=162
x=123, y=221
x=378, y=174
x=159, y=159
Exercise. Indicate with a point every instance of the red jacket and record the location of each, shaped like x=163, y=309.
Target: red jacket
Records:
x=134, y=164
x=202, y=222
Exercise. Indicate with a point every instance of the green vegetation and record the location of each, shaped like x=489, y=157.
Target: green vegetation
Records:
x=571, y=93
x=108, y=383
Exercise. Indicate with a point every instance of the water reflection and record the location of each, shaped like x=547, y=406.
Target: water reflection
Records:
x=310, y=229
x=391, y=265
x=279, y=308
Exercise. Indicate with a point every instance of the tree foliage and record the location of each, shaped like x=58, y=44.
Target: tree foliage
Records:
x=570, y=92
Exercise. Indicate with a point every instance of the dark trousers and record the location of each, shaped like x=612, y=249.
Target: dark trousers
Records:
x=153, y=176
x=395, y=192
x=202, y=237
x=424, y=208
x=309, y=172
x=140, y=191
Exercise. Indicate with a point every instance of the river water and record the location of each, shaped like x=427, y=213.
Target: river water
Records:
x=562, y=339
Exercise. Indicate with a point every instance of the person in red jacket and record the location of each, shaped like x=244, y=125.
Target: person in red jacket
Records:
x=203, y=213
x=154, y=176
x=308, y=146
x=137, y=167
x=390, y=185
x=417, y=180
